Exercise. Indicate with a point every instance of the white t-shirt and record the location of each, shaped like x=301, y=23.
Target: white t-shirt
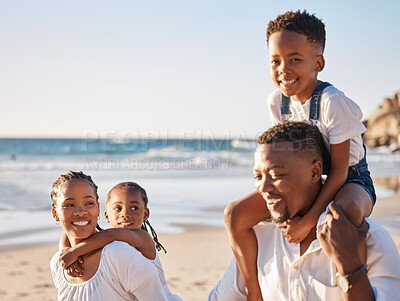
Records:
x=285, y=275
x=157, y=263
x=339, y=119
x=123, y=274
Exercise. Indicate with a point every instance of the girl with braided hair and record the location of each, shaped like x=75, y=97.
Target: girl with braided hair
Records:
x=127, y=212
x=114, y=271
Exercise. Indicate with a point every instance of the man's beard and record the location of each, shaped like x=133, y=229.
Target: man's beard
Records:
x=280, y=218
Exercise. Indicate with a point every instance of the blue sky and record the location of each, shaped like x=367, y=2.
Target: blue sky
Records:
x=173, y=68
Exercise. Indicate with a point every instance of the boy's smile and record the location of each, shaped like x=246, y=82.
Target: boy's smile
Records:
x=294, y=64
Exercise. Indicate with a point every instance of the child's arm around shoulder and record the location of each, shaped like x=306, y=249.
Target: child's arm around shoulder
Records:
x=64, y=242
x=137, y=238
x=74, y=267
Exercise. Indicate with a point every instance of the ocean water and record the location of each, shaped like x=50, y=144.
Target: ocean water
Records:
x=188, y=181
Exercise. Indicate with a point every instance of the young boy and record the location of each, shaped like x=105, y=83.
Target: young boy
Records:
x=296, y=42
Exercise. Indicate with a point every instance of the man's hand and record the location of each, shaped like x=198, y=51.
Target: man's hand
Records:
x=341, y=241
x=296, y=229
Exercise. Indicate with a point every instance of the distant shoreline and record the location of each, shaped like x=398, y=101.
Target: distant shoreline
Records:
x=386, y=210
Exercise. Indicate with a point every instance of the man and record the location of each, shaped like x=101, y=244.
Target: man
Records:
x=327, y=264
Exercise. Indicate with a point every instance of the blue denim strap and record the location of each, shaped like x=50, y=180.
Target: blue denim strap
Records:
x=314, y=105
x=316, y=99
x=285, y=108
x=361, y=166
x=314, y=115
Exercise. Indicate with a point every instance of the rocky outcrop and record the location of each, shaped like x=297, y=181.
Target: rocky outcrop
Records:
x=383, y=126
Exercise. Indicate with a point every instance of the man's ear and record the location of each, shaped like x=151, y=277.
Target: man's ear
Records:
x=320, y=63
x=316, y=170
x=55, y=214
x=146, y=214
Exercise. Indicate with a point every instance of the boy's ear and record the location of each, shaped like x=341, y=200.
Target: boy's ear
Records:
x=320, y=63
x=316, y=170
x=146, y=213
x=55, y=214
x=106, y=216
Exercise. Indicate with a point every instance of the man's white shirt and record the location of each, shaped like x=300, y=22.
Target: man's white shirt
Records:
x=285, y=275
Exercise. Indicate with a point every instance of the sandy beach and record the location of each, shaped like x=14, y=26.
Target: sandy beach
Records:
x=195, y=262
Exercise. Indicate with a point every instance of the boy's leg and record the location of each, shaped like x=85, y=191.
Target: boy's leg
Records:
x=356, y=204
x=240, y=216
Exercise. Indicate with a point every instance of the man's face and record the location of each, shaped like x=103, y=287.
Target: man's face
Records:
x=285, y=180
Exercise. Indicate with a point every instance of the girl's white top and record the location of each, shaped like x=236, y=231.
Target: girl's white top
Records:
x=123, y=274
x=160, y=270
x=339, y=119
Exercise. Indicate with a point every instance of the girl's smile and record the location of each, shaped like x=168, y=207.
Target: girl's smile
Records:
x=126, y=209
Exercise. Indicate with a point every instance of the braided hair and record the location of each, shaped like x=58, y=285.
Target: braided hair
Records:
x=62, y=180
x=66, y=178
x=134, y=187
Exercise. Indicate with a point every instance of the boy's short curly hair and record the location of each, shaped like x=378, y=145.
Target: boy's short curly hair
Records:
x=306, y=138
x=302, y=23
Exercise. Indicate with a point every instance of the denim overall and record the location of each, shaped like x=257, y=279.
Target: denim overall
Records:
x=357, y=174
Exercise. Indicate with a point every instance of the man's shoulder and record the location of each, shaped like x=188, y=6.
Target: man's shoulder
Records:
x=377, y=232
x=265, y=224
x=265, y=228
